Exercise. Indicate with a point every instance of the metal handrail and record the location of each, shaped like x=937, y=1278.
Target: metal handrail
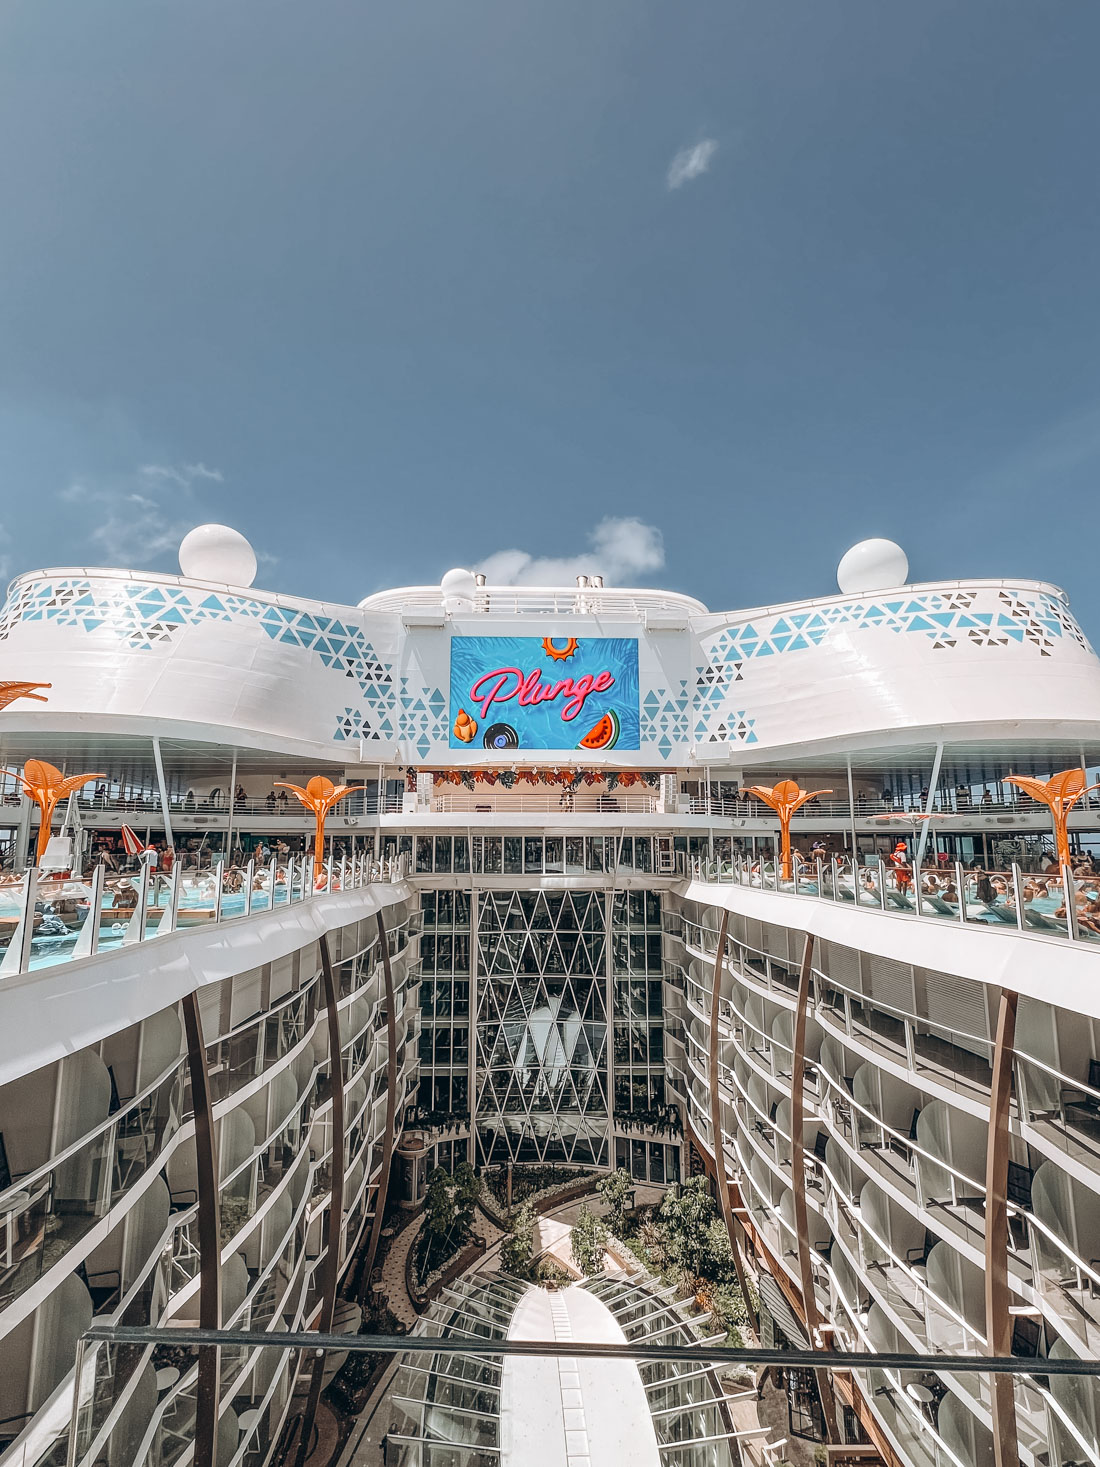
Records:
x=302, y=883
x=880, y=883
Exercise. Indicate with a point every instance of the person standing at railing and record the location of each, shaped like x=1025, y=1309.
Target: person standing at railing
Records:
x=899, y=859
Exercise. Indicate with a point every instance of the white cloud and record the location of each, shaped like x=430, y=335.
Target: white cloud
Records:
x=184, y=476
x=134, y=519
x=622, y=551
x=690, y=162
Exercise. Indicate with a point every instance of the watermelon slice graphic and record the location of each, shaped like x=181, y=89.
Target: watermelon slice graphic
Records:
x=604, y=734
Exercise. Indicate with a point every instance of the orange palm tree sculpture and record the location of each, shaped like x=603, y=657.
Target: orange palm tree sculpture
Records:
x=319, y=795
x=1059, y=794
x=46, y=786
x=10, y=691
x=785, y=798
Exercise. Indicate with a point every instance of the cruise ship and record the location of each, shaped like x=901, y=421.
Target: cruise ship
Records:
x=800, y=898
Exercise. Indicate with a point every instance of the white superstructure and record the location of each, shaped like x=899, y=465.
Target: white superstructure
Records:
x=549, y=812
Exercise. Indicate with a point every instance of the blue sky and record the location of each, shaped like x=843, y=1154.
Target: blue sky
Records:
x=397, y=286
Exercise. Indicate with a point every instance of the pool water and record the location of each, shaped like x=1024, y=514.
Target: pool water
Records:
x=48, y=950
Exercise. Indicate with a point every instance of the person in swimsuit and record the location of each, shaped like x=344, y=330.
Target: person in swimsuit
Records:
x=899, y=859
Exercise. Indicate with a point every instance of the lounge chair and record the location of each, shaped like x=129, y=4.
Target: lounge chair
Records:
x=999, y=914
x=937, y=903
x=1041, y=922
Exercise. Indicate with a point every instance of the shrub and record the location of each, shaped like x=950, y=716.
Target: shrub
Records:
x=588, y=1239
x=616, y=1191
x=727, y=1305
x=652, y=1241
x=549, y=1272
x=518, y=1246
x=528, y=1179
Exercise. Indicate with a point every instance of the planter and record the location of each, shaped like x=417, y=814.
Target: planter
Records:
x=542, y=1201
x=421, y=1295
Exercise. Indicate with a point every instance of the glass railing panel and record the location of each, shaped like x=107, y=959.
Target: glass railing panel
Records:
x=45, y=1214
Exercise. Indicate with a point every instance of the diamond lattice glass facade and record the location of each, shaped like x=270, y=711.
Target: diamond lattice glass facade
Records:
x=542, y=1026
x=560, y=994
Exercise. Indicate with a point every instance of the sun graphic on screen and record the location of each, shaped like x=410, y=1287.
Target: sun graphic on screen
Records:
x=559, y=654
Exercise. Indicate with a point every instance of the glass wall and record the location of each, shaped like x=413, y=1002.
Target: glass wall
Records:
x=542, y=1027
x=539, y=975
x=445, y=1008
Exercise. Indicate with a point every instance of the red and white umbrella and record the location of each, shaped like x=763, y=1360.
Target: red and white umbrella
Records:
x=132, y=843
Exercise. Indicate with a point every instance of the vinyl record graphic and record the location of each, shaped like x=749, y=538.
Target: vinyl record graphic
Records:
x=500, y=736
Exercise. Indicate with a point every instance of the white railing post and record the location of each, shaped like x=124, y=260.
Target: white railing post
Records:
x=1018, y=896
x=135, y=928
x=219, y=889
x=87, y=941
x=343, y=873
x=248, y=870
x=18, y=956
x=960, y=887
x=1069, y=889
x=167, y=922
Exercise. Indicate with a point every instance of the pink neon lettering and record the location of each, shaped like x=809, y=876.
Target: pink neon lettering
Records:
x=529, y=690
x=502, y=674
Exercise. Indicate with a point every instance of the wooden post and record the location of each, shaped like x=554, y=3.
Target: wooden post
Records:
x=998, y=1319
x=209, y=1220
x=391, y=1110
x=798, y=1182
x=330, y=1273
x=716, y=1127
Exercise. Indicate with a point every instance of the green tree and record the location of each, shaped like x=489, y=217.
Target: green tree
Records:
x=616, y=1189
x=519, y=1245
x=695, y=1236
x=588, y=1239
x=467, y=1190
x=439, y=1204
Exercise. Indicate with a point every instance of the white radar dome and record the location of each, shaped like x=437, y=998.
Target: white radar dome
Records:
x=459, y=588
x=872, y=565
x=217, y=553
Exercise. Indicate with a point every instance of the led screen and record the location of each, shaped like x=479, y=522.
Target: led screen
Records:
x=544, y=693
